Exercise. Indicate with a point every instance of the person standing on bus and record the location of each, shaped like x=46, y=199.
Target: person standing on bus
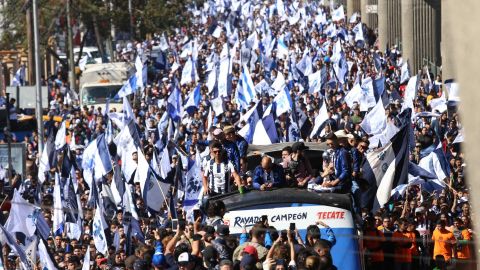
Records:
x=299, y=165
x=232, y=136
x=217, y=174
x=342, y=166
x=268, y=175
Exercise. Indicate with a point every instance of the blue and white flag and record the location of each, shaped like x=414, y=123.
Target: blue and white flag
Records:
x=188, y=72
x=387, y=167
x=128, y=88
x=193, y=185
x=98, y=230
x=404, y=72
x=19, y=78
x=437, y=163
x=319, y=120
x=338, y=14
x=140, y=83
x=283, y=102
x=305, y=65
x=211, y=80
x=358, y=30
x=278, y=85
x=97, y=156
x=45, y=258
x=61, y=137
x=58, y=218
x=375, y=120
x=165, y=166
x=193, y=100
x=23, y=216
x=153, y=190
x=282, y=48
x=246, y=88
x=127, y=111
x=260, y=135
x=7, y=238
x=224, y=77
x=315, y=82
x=174, y=106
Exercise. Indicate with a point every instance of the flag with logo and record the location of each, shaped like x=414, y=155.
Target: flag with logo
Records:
x=386, y=168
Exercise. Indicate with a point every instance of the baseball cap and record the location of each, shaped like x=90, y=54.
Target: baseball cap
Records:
x=252, y=251
x=101, y=261
x=184, y=258
x=247, y=261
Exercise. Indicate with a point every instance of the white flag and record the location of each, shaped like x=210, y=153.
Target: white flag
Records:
x=99, y=226
x=60, y=138
x=23, y=216
x=139, y=73
x=58, y=216
x=45, y=259
x=405, y=74
x=86, y=259
x=217, y=105
x=165, y=167
x=375, y=121
x=260, y=135
x=338, y=14
x=319, y=119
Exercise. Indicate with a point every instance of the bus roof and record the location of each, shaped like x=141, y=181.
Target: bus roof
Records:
x=234, y=201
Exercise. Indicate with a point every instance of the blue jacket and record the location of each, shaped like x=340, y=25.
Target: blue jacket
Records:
x=242, y=146
x=357, y=160
x=277, y=173
x=343, y=169
x=233, y=153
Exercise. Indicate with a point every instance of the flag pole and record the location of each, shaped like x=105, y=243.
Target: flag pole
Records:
x=38, y=70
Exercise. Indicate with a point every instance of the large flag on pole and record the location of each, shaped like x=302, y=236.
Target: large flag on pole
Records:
x=153, y=190
x=129, y=87
x=23, y=216
x=98, y=226
x=387, y=167
x=319, y=120
x=97, y=156
x=375, y=121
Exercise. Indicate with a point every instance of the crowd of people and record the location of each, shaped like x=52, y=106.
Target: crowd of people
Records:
x=196, y=107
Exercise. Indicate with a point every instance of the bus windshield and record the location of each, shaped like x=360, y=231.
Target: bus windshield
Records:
x=302, y=207
x=99, y=94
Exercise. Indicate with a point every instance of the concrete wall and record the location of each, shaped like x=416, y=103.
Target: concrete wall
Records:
x=461, y=51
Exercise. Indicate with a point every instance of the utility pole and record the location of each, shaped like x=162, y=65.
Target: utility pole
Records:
x=38, y=82
x=71, y=60
x=7, y=133
x=31, y=62
x=130, y=12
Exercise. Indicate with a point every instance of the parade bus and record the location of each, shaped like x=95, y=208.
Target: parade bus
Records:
x=304, y=208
